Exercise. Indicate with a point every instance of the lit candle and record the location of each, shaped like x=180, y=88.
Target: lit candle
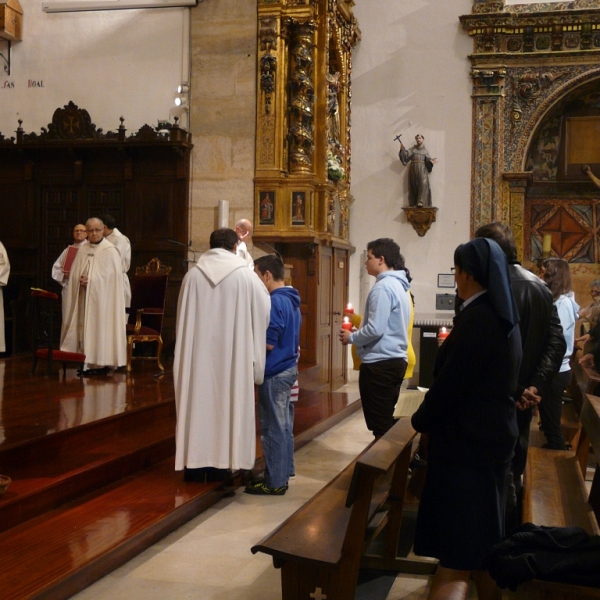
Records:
x=349, y=309
x=547, y=244
x=443, y=334
x=346, y=324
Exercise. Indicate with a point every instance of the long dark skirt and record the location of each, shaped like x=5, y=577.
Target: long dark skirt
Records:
x=461, y=513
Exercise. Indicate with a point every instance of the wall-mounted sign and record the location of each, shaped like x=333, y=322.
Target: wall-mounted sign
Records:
x=445, y=280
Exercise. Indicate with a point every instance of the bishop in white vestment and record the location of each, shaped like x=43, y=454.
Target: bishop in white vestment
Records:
x=222, y=319
x=4, y=273
x=95, y=311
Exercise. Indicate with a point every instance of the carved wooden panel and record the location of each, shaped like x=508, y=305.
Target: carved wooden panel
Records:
x=72, y=171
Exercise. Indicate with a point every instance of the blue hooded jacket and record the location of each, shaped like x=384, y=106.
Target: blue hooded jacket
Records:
x=284, y=331
x=384, y=332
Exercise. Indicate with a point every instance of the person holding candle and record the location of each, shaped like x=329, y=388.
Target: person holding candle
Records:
x=469, y=415
x=382, y=340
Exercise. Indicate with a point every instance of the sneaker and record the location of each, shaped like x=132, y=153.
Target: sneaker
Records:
x=260, y=489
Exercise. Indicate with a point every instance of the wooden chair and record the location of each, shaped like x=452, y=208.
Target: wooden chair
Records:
x=148, y=294
x=44, y=305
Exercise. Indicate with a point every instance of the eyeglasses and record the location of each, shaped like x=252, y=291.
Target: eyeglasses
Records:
x=79, y=231
x=95, y=230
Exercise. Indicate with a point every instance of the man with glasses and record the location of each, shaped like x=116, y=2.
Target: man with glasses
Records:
x=95, y=309
x=382, y=340
x=62, y=267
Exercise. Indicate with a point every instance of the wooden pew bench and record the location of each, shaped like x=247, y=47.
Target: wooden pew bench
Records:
x=555, y=495
x=320, y=548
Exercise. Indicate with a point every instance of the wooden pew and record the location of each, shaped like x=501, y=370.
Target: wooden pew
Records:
x=321, y=547
x=555, y=495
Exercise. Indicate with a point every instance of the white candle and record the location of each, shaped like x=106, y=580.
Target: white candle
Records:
x=223, y=213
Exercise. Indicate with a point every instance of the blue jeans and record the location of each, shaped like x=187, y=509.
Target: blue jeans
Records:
x=276, y=426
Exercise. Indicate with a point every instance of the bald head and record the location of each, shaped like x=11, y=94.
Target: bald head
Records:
x=243, y=228
x=95, y=230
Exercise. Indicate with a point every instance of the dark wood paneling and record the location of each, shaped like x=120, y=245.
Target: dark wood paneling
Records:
x=47, y=188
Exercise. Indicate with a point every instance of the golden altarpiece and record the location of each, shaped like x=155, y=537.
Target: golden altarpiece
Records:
x=536, y=120
x=303, y=162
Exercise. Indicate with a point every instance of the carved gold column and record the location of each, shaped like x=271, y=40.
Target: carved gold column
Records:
x=488, y=96
x=302, y=177
x=515, y=191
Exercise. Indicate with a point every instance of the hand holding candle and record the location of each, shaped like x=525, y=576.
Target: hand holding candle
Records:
x=345, y=331
x=442, y=335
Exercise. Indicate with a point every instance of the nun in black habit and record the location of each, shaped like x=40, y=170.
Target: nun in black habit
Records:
x=469, y=415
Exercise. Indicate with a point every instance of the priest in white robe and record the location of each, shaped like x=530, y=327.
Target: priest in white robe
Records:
x=115, y=237
x=4, y=273
x=58, y=272
x=95, y=312
x=222, y=319
x=243, y=229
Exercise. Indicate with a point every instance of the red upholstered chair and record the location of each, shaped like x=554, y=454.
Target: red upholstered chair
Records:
x=148, y=294
x=44, y=305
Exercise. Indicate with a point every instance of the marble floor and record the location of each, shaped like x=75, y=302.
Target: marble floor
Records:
x=209, y=558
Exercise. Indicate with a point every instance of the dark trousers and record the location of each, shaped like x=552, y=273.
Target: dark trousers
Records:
x=514, y=483
x=379, y=385
x=551, y=410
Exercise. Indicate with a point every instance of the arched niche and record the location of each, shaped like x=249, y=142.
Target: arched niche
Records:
x=529, y=64
x=560, y=201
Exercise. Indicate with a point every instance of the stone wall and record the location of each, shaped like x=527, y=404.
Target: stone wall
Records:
x=222, y=118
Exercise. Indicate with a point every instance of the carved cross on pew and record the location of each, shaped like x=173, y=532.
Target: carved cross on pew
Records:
x=318, y=595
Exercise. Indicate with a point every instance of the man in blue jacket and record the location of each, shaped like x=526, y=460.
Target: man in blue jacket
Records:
x=281, y=371
x=382, y=340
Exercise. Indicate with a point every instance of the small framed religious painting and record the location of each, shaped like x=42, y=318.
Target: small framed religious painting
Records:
x=266, y=207
x=298, y=208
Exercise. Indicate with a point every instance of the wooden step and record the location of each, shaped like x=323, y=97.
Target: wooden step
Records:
x=63, y=551
x=61, y=467
x=90, y=493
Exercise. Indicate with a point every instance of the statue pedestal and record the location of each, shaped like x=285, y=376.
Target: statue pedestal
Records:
x=420, y=217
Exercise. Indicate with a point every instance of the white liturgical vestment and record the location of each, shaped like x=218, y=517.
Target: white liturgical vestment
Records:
x=4, y=273
x=95, y=314
x=222, y=318
x=124, y=247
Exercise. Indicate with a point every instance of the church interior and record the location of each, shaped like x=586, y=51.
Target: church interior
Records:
x=182, y=116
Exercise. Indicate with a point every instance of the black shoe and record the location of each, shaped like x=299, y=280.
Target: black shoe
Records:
x=547, y=446
x=92, y=372
x=205, y=474
x=417, y=462
x=260, y=489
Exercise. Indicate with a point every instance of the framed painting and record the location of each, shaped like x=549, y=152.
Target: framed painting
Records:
x=266, y=207
x=298, y=208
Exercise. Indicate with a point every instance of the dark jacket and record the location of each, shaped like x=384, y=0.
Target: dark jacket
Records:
x=562, y=554
x=469, y=410
x=541, y=332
